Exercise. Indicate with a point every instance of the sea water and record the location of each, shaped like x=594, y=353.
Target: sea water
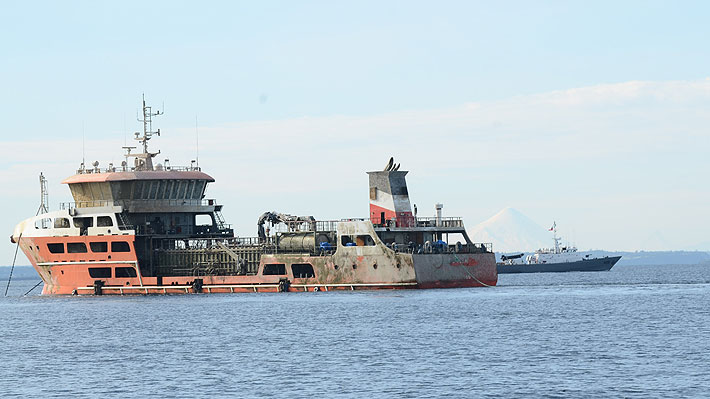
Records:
x=635, y=331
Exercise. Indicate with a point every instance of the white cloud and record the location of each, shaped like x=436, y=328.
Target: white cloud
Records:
x=583, y=122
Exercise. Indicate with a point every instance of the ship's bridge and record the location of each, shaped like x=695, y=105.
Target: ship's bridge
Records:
x=138, y=191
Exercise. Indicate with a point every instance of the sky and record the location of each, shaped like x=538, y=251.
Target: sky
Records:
x=594, y=115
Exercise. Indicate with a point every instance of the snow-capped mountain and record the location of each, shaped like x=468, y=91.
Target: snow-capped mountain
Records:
x=511, y=231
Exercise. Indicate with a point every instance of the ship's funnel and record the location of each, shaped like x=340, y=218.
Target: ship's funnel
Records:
x=389, y=198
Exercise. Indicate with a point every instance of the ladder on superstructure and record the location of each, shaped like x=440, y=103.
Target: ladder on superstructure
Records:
x=219, y=219
x=123, y=221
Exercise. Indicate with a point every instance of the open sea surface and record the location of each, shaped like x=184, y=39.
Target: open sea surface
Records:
x=636, y=331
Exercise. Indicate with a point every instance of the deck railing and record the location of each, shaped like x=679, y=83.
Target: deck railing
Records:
x=113, y=169
x=406, y=222
x=269, y=247
x=139, y=202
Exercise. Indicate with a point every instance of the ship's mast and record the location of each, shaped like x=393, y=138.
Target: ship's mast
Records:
x=144, y=160
x=44, y=199
x=555, y=238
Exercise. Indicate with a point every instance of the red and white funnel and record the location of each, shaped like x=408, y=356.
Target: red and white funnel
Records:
x=389, y=198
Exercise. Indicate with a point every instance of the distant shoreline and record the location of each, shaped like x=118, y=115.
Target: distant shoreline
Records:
x=639, y=258
x=20, y=273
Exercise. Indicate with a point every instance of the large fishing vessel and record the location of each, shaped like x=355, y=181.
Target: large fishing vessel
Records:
x=557, y=259
x=147, y=228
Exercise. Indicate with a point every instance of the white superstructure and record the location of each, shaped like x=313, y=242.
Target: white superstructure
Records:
x=557, y=254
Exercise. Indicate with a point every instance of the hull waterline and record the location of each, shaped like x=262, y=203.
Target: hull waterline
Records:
x=592, y=265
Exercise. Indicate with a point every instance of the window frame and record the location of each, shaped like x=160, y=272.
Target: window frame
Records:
x=125, y=272
x=76, y=248
x=266, y=271
x=51, y=245
x=312, y=273
x=100, y=272
x=99, y=218
x=116, y=244
x=94, y=244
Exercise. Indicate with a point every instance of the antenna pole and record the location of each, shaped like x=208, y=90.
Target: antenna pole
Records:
x=147, y=121
x=554, y=237
x=44, y=200
x=83, y=144
x=197, y=144
x=146, y=157
x=125, y=140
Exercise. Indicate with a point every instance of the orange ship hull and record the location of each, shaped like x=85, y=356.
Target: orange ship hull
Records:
x=71, y=273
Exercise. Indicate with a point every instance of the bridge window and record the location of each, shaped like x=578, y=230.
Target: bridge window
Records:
x=125, y=272
x=274, y=269
x=161, y=189
x=100, y=272
x=102, y=192
x=104, y=221
x=153, y=189
x=56, y=248
x=302, y=270
x=181, y=189
x=98, y=246
x=120, y=246
x=144, y=190
x=199, y=189
x=190, y=188
x=76, y=248
x=173, y=189
x=61, y=223
x=137, y=189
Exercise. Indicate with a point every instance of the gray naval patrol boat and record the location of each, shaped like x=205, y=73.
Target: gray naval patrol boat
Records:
x=558, y=259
